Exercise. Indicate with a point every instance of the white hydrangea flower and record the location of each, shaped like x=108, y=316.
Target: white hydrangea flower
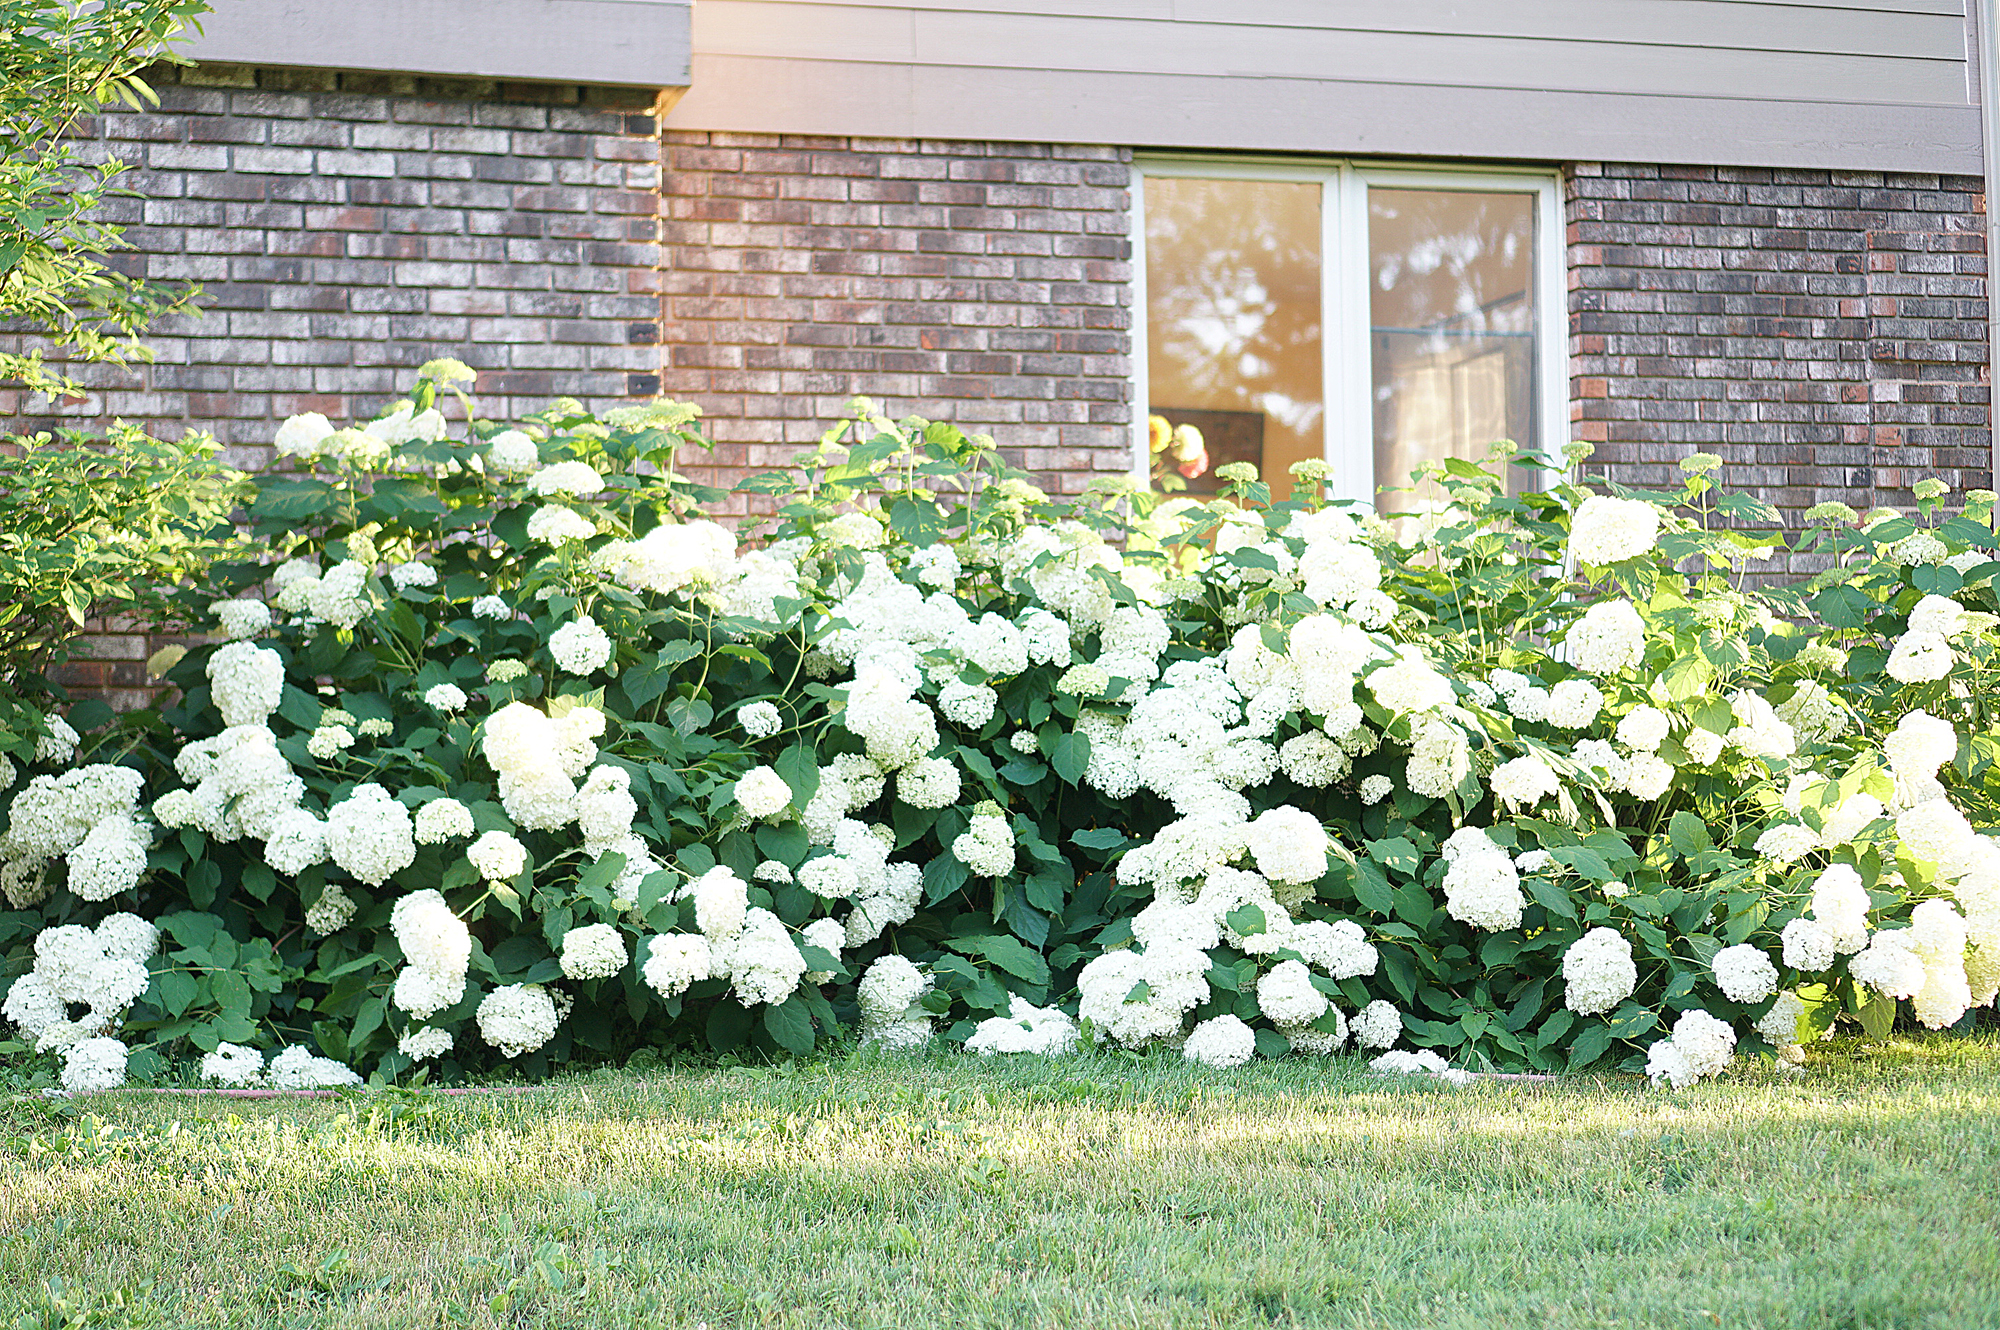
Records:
x=1221, y=1042
x=553, y=524
x=233, y=1065
x=760, y=720
x=1780, y=1025
x=1481, y=886
x=1787, y=842
x=512, y=453
x=575, y=480
x=1644, y=728
x=1423, y=1062
x=929, y=782
x=986, y=846
x=1920, y=657
x=1809, y=945
x=1599, y=972
x=1890, y=964
x=370, y=835
x=421, y=1045
x=1377, y=1025
x=1286, y=995
x=111, y=858
x=674, y=961
x=498, y=856
x=1288, y=844
x=518, y=1018
x=302, y=435
x=1026, y=1028
x=1744, y=973
x=332, y=911
x=1937, y=614
x=245, y=682
x=440, y=820
x=1703, y=746
x=1374, y=789
x=1699, y=1046
x=580, y=646
x=1523, y=782
x=447, y=698
x=762, y=793
x=329, y=741
x=93, y=1065
x=296, y=1069
x=1605, y=530
x=415, y=573
x=721, y=901
x=241, y=619
x=593, y=951
x=341, y=598
x=1610, y=638
x=1574, y=704
x=763, y=962
x=491, y=607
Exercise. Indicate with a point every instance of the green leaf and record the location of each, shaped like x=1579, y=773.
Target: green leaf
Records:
x=791, y=1025
x=1247, y=919
x=785, y=842
x=1586, y=861
x=1629, y=1022
x=1371, y=888
x=1005, y=952
x=1397, y=853
x=1688, y=676
x=1070, y=757
x=1688, y=834
x=1877, y=1016
x=1271, y=1044
x=176, y=990
x=1589, y=1046
x=231, y=990
x=646, y=681
x=799, y=768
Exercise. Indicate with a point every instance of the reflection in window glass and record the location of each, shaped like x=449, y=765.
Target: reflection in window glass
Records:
x=1233, y=326
x=1452, y=328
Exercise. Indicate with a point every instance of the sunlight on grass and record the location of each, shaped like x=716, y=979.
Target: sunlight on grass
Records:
x=1096, y=1192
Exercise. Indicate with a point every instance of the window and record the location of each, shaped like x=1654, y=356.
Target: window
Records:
x=1376, y=317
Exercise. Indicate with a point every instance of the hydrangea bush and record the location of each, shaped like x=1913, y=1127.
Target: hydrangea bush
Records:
x=508, y=755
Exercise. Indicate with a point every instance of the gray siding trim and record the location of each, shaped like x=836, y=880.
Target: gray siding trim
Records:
x=628, y=43
x=1220, y=112
x=1854, y=84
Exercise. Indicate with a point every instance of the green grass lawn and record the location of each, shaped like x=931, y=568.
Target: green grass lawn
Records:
x=1092, y=1192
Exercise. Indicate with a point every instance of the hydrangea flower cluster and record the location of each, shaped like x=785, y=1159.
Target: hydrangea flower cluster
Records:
x=960, y=763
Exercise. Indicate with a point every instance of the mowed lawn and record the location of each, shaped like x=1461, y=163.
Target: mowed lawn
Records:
x=1090, y=1192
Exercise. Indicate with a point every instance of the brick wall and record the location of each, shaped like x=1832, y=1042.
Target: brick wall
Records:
x=984, y=284
x=346, y=227
x=1823, y=332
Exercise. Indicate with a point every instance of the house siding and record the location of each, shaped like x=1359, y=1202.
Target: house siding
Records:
x=1823, y=332
x=640, y=43
x=1883, y=86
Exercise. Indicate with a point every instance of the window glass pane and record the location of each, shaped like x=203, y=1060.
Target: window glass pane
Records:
x=1232, y=324
x=1452, y=329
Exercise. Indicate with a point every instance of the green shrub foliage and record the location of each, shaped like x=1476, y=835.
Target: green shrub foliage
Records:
x=509, y=755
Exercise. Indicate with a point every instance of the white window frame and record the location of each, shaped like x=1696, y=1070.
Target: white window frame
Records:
x=1346, y=375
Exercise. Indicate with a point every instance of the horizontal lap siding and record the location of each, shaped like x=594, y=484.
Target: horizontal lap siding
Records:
x=1723, y=81
x=640, y=43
